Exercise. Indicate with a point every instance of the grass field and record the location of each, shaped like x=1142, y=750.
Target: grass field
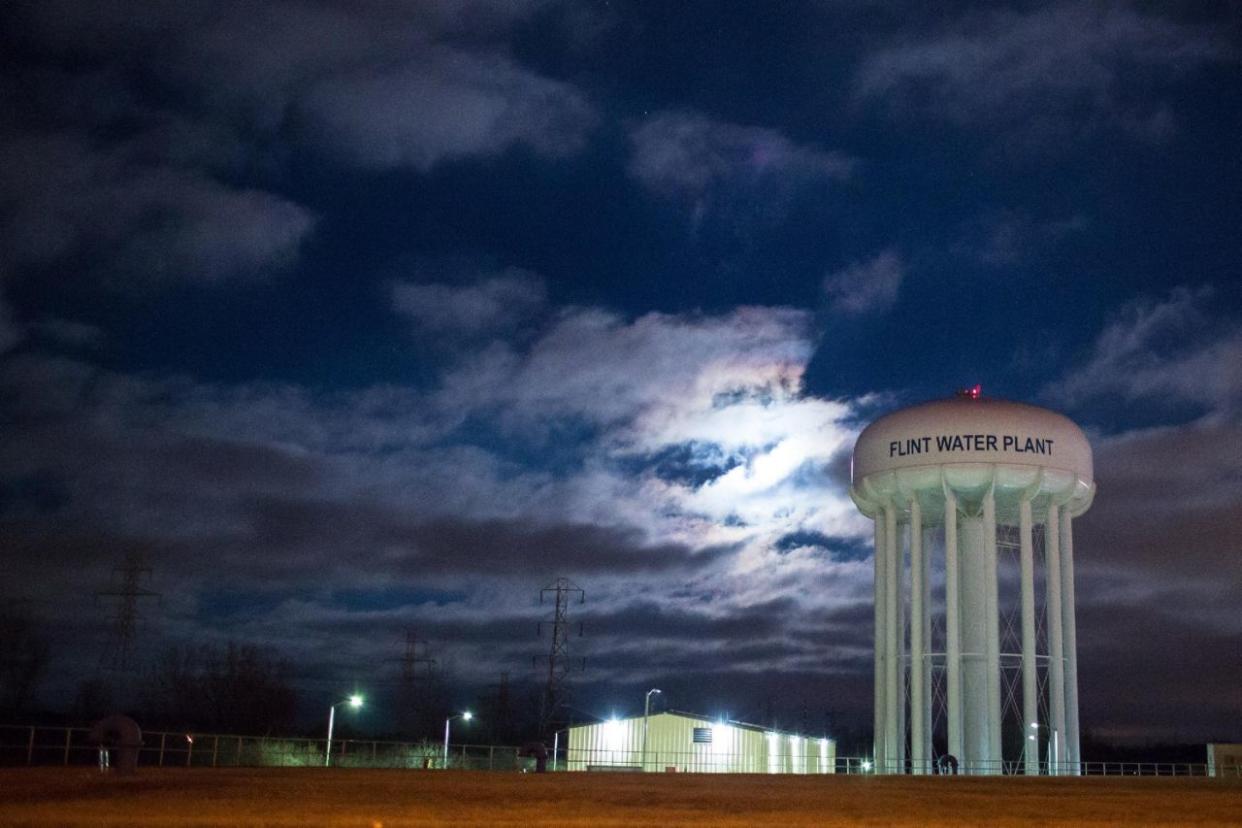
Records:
x=371, y=798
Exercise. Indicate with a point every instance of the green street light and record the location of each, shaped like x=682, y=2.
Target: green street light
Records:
x=465, y=717
x=354, y=701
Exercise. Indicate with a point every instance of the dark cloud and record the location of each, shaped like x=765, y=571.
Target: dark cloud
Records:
x=648, y=621
x=10, y=333
x=408, y=547
x=1166, y=660
x=107, y=175
x=71, y=200
x=1046, y=71
x=1169, y=503
x=69, y=333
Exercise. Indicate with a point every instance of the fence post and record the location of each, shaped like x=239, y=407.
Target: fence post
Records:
x=68, y=736
x=189, y=749
x=30, y=748
x=237, y=756
x=163, y=736
x=491, y=756
x=215, y=750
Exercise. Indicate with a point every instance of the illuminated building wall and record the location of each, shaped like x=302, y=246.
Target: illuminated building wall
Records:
x=690, y=743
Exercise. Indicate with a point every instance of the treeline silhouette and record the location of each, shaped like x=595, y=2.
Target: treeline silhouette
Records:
x=237, y=688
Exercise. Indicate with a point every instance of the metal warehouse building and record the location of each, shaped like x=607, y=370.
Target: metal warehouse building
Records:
x=690, y=743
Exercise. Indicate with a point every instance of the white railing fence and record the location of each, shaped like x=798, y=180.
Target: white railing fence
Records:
x=34, y=745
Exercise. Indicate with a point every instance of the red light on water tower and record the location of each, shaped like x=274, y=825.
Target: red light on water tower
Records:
x=971, y=393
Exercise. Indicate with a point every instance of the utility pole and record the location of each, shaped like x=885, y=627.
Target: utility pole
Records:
x=559, y=663
x=118, y=653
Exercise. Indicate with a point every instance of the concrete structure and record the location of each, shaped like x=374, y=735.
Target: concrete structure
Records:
x=973, y=478
x=689, y=743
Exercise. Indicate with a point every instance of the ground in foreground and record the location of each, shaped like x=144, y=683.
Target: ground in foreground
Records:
x=387, y=799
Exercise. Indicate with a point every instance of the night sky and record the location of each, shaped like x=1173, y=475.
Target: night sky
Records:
x=359, y=317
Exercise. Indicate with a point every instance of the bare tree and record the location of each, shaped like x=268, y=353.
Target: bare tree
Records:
x=23, y=660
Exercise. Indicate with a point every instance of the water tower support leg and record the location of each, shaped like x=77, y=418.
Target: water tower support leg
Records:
x=891, y=632
x=1056, y=653
x=1070, y=632
x=927, y=641
x=953, y=630
x=993, y=635
x=918, y=750
x=1030, y=703
x=880, y=643
x=903, y=701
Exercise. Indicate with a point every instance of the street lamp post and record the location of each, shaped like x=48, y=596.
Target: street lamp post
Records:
x=465, y=717
x=354, y=701
x=647, y=713
x=1054, y=747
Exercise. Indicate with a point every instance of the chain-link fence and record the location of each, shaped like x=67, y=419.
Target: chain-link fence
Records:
x=33, y=745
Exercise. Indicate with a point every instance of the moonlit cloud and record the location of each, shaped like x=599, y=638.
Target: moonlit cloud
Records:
x=387, y=488
x=684, y=155
x=443, y=106
x=493, y=304
x=1166, y=351
x=1005, y=238
x=865, y=287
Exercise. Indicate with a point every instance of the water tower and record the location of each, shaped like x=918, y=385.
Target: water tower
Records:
x=978, y=658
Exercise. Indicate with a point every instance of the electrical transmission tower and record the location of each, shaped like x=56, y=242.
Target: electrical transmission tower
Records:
x=409, y=697
x=560, y=665
x=118, y=653
x=411, y=659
